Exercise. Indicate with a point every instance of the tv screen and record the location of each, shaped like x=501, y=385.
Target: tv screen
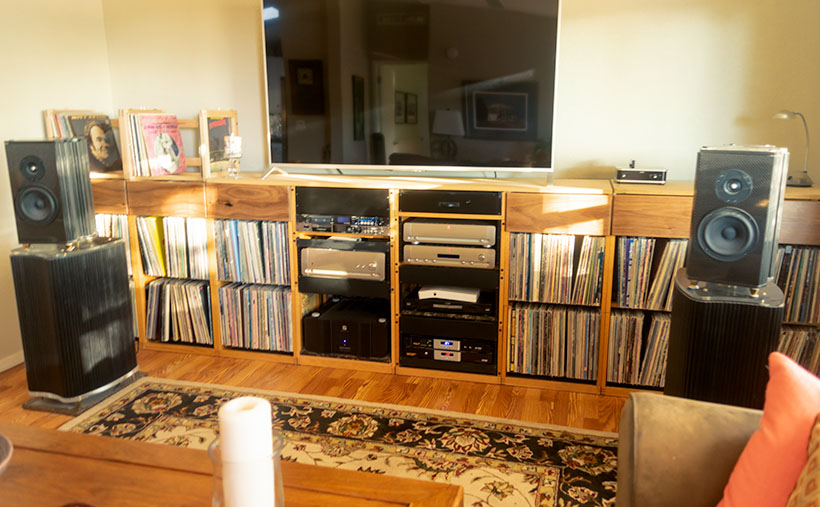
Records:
x=466, y=83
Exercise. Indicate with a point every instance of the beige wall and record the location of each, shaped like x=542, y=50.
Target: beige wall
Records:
x=655, y=81
x=54, y=56
x=185, y=55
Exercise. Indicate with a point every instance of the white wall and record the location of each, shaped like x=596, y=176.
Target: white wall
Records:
x=185, y=55
x=655, y=81
x=54, y=56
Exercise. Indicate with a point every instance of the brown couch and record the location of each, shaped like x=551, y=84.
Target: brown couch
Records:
x=678, y=452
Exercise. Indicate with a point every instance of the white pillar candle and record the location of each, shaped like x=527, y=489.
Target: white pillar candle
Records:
x=245, y=441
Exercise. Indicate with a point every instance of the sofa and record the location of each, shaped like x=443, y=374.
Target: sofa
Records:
x=678, y=452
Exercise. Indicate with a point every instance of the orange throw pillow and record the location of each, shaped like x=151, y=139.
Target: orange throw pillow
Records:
x=768, y=467
x=807, y=491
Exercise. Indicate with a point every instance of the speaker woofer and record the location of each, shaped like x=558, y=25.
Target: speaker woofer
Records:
x=32, y=167
x=727, y=234
x=733, y=186
x=36, y=204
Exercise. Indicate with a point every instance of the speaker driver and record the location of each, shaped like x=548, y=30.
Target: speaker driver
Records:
x=733, y=186
x=36, y=204
x=727, y=234
x=32, y=167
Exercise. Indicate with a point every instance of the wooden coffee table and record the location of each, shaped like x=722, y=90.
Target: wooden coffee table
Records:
x=56, y=468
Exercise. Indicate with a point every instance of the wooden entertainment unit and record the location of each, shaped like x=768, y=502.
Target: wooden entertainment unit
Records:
x=593, y=208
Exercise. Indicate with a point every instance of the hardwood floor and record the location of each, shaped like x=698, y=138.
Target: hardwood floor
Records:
x=588, y=411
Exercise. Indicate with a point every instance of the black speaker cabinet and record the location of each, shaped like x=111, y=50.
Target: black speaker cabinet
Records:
x=736, y=215
x=719, y=342
x=75, y=318
x=51, y=190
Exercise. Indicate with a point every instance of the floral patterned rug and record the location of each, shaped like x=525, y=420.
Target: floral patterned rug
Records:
x=498, y=462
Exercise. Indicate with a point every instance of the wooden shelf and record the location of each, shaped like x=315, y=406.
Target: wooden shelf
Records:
x=554, y=385
x=446, y=374
x=351, y=364
x=595, y=208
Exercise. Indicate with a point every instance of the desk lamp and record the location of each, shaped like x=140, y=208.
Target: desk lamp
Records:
x=448, y=123
x=803, y=180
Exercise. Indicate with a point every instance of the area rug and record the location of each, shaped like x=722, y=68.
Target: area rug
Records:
x=499, y=462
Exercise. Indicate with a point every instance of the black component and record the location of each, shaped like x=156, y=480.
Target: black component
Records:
x=465, y=355
x=75, y=317
x=486, y=279
x=450, y=201
x=350, y=328
x=718, y=346
x=342, y=201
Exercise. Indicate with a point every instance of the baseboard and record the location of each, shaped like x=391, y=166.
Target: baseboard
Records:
x=11, y=361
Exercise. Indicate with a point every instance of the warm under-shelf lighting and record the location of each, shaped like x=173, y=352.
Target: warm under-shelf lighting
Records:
x=802, y=180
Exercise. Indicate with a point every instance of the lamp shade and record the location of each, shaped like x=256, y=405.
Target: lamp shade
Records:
x=448, y=122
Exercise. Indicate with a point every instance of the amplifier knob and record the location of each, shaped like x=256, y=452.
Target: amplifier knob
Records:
x=481, y=257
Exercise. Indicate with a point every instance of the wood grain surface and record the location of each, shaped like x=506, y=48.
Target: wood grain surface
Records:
x=109, y=196
x=166, y=198
x=247, y=202
x=577, y=410
x=659, y=216
x=800, y=224
x=558, y=214
x=50, y=467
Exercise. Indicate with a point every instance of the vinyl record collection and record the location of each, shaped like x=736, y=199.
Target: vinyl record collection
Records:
x=179, y=311
x=553, y=341
x=173, y=246
x=801, y=344
x=797, y=271
x=633, y=263
x=156, y=144
x=252, y=251
x=663, y=285
x=256, y=317
x=636, y=284
x=115, y=226
x=541, y=268
x=629, y=359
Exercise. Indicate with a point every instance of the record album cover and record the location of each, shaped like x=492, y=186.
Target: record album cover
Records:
x=103, y=153
x=163, y=144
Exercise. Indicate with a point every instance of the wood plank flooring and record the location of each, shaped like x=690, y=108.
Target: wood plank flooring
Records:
x=588, y=411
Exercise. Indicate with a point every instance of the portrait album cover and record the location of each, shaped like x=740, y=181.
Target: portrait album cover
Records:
x=103, y=153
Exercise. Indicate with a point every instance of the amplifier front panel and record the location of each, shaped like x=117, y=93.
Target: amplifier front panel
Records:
x=467, y=257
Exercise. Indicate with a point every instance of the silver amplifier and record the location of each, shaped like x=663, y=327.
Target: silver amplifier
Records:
x=449, y=233
x=465, y=257
x=343, y=264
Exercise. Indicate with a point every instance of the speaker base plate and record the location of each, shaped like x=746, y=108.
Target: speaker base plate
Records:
x=74, y=408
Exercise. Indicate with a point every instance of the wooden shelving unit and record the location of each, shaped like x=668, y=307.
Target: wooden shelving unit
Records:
x=595, y=208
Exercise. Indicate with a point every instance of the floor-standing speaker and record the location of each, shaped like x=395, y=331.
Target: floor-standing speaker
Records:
x=75, y=318
x=726, y=311
x=719, y=341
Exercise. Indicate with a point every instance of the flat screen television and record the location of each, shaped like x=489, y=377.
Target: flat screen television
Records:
x=430, y=83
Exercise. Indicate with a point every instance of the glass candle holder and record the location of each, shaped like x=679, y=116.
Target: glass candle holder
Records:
x=233, y=152
x=251, y=483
